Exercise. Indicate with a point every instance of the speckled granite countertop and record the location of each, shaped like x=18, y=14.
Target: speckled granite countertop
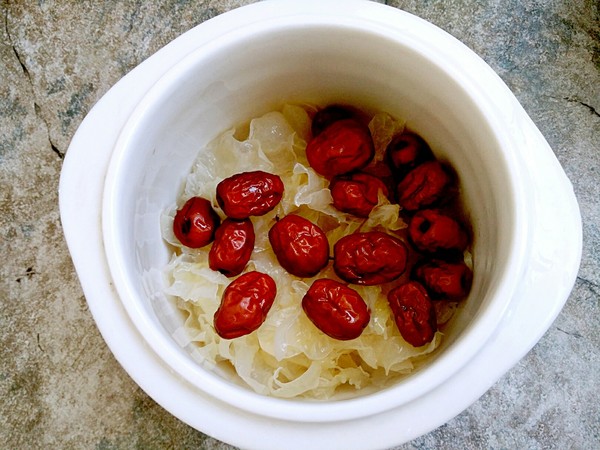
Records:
x=60, y=386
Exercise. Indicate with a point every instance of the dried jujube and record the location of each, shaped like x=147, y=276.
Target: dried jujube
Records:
x=413, y=313
x=326, y=116
x=232, y=247
x=301, y=247
x=445, y=280
x=249, y=194
x=357, y=193
x=433, y=231
x=343, y=147
x=195, y=223
x=244, y=305
x=336, y=309
x=369, y=258
x=423, y=186
x=406, y=151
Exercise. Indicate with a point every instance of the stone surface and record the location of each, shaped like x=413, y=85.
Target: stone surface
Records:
x=60, y=387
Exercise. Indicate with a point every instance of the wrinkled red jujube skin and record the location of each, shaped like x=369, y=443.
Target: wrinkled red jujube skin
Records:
x=445, y=280
x=301, y=247
x=413, y=313
x=406, y=151
x=195, y=223
x=245, y=304
x=326, y=116
x=423, y=186
x=249, y=194
x=432, y=231
x=357, y=193
x=336, y=309
x=232, y=248
x=369, y=258
x=343, y=147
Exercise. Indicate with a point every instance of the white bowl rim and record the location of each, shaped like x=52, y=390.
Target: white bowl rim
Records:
x=453, y=358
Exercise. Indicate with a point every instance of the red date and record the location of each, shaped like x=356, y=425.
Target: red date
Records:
x=369, y=258
x=245, y=305
x=431, y=231
x=328, y=115
x=195, y=223
x=406, y=151
x=413, y=312
x=249, y=194
x=444, y=280
x=423, y=186
x=335, y=309
x=343, y=147
x=357, y=194
x=232, y=248
x=301, y=247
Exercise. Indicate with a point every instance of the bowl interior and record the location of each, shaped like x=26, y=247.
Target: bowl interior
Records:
x=255, y=70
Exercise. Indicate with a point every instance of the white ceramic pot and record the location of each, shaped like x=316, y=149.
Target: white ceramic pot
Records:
x=138, y=143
